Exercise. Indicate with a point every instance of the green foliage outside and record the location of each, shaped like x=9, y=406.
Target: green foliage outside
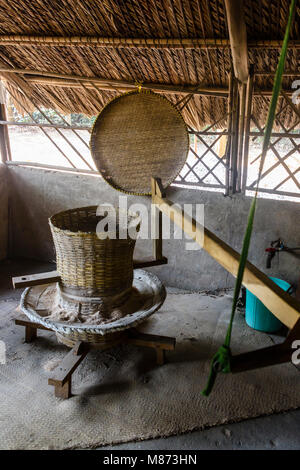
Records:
x=74, y=119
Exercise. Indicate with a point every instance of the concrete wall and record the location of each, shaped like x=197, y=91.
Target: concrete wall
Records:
x=40, y=193
x=3, y=212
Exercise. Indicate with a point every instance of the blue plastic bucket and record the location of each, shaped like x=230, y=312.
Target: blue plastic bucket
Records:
x=258, y=316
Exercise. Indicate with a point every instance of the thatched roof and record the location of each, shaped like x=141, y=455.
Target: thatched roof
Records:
x=178, y=63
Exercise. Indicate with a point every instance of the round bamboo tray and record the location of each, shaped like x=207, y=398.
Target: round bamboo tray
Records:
x=136, y=136
x=37, y=303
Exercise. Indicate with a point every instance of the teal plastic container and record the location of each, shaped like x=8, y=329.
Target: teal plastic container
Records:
x=258, y=316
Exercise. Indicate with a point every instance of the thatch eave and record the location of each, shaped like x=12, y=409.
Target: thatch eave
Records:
x=184, y=43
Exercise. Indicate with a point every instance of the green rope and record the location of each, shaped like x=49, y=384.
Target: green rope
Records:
x=221, y=361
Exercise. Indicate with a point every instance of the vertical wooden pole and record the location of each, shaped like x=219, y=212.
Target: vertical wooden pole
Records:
x=156, y=219
x=248, y=109
x=222, y=145
x=30, y=334
x=229, y=128
x=235, y=135
x=238, y=38
x=242, y=102
x=4, y=137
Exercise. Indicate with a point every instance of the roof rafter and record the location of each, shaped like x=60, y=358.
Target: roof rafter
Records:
x=152, y=43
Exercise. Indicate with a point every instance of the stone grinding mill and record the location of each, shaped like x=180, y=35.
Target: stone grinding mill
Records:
x=99, y=293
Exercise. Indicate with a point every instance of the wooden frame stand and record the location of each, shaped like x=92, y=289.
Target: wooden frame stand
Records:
x=279, y=302
x=61, y=378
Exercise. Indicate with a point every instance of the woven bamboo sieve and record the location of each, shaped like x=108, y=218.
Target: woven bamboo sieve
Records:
x=138, y=135
x=90, y=267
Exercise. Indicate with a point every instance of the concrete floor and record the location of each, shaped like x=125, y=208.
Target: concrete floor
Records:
x=280, y=431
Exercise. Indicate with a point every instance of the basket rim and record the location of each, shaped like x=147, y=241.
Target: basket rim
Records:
x=137, y=317
x=80, y=233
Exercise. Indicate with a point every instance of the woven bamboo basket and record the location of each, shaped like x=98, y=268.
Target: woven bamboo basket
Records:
x=93, y=271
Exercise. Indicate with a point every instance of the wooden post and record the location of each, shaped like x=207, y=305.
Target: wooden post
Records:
x=242, y=102
x=62, y=375
x=222, y=145
x=229, y=127
x=235, y=137
x=30, y=334
x=238, y=38
x=156, y=220
x=4, y=137
x=160, y=356
x=248, y=110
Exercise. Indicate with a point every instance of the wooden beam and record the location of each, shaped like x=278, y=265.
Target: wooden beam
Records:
x=39, y=77
x=3, y=141
x=241, y=135
x=281, y=304
x=52, y=126
x=35, y=279
x=156, y=219
x=29, y=280
x=164, y=88
x=97, y=41
x=152, y=43
x=272, y=355
x=238, y=38
x=272, y=44
x=249, y=92
x=149, y=262
x=4, y=136
x=58, y=79
x=62, y=375
x=235, y=138
x=54, y=167
x=285, y=74
x=27, y=323
x=150, y=341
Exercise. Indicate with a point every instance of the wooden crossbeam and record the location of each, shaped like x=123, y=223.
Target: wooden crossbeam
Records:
x=152, y=43
x=61, y=377
x=38, y=77
x=264, y=357
x=57, y=79
x=281, y=304
x=70, y=362
x=151, y=341
x=29, y=280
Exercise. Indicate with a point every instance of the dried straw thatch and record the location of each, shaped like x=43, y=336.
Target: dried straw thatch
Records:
x=166, y=64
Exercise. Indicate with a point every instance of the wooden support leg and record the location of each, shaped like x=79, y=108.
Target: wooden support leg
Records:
x=161, y=344
x=30, y=334
x=63, y=391
x=160, y=356
x=30, y=328
x=62, y=376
